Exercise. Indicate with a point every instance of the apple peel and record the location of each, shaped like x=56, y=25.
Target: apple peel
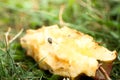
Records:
x=65, y=51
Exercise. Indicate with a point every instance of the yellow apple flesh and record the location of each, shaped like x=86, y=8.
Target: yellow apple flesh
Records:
x=65, y=51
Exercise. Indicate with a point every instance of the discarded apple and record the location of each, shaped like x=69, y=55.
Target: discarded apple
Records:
x=66, y=52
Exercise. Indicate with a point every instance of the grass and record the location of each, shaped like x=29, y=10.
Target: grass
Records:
x=98, y=18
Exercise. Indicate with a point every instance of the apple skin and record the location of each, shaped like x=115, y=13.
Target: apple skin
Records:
x=102, y=75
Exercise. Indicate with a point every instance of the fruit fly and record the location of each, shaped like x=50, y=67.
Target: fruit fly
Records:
x=50, y=40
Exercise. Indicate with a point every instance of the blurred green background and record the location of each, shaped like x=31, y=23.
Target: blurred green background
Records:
x=98, y=18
